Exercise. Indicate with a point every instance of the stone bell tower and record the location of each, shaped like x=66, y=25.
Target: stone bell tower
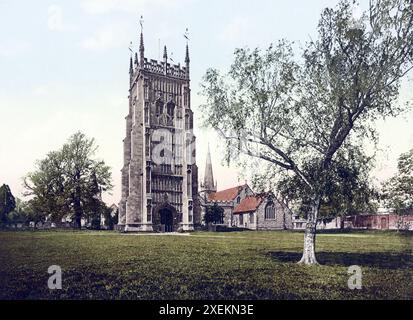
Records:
x=160, y=175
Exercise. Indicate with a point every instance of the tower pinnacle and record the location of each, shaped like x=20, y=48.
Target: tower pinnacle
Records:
x=165, y=59
x=142, y=46
x=165, y=53
x=187, y=60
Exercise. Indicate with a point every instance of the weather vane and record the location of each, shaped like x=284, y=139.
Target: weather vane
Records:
x=186, y=34
x=131, y=47
x=141, y=23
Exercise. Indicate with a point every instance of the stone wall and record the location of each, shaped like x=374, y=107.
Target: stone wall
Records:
x=282, y=217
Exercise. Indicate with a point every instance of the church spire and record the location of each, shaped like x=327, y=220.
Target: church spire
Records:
x=131, y=66
x=136, y=59
x=165, y=54
x=165, y=59
x=209, y=184
x=142, y=46
x=187, y=60
x=187, y=55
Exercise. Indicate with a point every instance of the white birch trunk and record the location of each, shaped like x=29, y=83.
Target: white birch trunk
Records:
x=309, y=257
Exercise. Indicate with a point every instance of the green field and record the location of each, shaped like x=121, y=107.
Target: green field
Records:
x=244, y=265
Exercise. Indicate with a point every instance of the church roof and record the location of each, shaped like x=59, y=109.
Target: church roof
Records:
x=249, y=204
x=226, y=195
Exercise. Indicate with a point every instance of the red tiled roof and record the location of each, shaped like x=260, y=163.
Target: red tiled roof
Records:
x=249, y=204
x=226, y=195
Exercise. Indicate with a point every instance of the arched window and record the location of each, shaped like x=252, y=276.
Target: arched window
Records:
x=159, y=107
x=170, y=109
x=270, y=211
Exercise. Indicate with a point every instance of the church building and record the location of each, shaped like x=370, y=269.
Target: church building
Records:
x=242, y=207
x=159, y=174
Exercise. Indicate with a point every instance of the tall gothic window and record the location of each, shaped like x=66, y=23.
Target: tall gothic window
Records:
x=147, y=145
x=270, y=211
x=170, y=109
x=148, y=179
x=189, y=182
x=147, y=113
x=187, y=122
x=190, y=207
x=149, y=211
x=159, y=107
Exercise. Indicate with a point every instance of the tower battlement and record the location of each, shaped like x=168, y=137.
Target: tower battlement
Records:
x=158, y=67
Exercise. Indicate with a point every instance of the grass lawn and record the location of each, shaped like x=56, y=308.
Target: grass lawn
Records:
x=244, y=265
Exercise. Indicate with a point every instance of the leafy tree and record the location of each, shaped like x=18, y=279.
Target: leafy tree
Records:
x=47, y=185
x=348, y=188
x=398, y=191
x=110, y=219
x=94, y=207
x=19, y=214
x=296, y=114
x=33, y=213
x=214, y=214
x=69, y=181
x=7, y=203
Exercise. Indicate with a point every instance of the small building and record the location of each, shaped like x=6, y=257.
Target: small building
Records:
x=262, y=212
x=242, y=207
x=332, y=223
x=387, y=221
x=226, y=199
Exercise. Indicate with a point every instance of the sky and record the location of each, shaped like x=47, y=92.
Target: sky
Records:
x=64, y=68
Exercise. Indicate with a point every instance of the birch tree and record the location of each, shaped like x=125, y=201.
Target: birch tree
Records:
x=296, y=113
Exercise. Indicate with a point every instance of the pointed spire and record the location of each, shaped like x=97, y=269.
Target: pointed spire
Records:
x=142, y=46
x=142, y=51
x=187, y=60
x=209, y=183
x=136, y=59
x=165, y=53
x=187, y=55
x=131, y=66
x=165, y=59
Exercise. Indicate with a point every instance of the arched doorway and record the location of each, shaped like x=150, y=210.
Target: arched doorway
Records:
x=167, y=220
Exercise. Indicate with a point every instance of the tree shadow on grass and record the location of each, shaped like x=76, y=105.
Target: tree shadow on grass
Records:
x=382, y=260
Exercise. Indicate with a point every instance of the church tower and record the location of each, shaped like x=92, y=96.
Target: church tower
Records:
x=160, y=175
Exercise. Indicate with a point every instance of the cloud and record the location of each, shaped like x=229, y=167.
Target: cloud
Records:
x=109, y=37
x=99, y=6
x=235, y=30
x=130, y=6
x=14, y=48
x=41, y=90
x=55, y=20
